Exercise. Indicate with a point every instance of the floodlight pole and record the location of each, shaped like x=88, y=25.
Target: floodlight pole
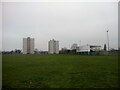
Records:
x=108, y=39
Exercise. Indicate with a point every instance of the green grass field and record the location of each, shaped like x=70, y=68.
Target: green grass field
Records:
x=59, y=71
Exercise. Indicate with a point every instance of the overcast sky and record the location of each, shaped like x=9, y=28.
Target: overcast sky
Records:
x=67, y=22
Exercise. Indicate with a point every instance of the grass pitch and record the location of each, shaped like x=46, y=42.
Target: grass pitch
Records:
x=59, y=71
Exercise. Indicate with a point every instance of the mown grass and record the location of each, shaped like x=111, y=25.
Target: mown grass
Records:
x=59, y=71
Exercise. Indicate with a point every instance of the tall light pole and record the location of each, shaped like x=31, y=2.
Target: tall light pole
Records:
x=108, y=39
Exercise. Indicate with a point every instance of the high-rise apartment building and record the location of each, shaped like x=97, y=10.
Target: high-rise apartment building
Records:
x=53, y=47
x=28, y=45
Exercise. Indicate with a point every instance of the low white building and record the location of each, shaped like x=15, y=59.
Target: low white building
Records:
x=28, y=45
x=74, y=46
x=53, y=47
x=88, y=48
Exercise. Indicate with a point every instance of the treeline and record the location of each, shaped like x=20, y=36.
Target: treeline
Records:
x=16, y=51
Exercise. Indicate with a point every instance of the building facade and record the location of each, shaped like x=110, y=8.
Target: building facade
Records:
x=53, y=47
x=87, y=49
x=28, y=45
x=74, y=46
